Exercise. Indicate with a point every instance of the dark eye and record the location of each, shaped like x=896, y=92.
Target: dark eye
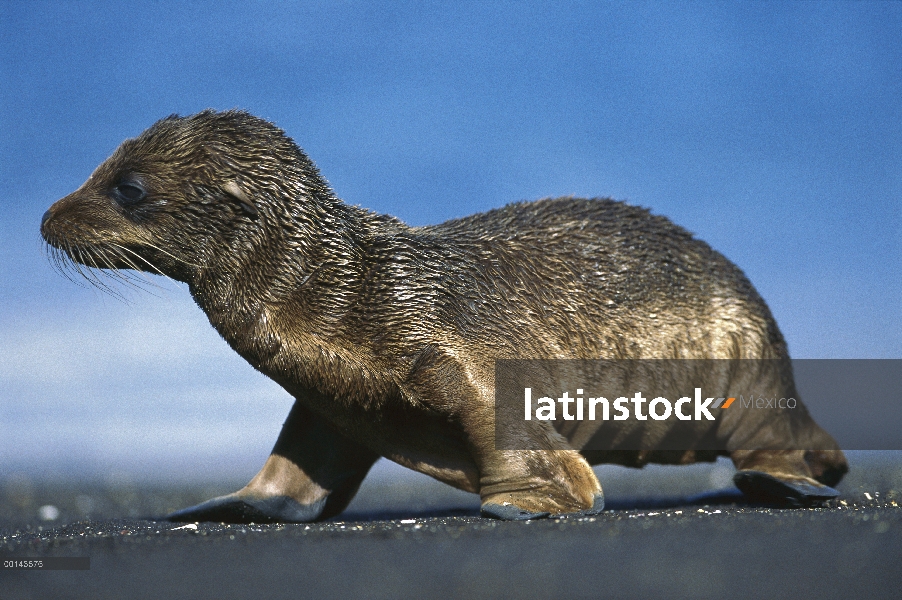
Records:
x=129, y=193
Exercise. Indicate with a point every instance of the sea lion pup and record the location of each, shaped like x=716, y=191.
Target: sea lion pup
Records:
x=387, y=335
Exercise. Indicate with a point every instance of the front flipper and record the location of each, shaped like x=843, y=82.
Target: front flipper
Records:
x=759, y=486
x=311, y=475
x=235, y=508
x=780, y=477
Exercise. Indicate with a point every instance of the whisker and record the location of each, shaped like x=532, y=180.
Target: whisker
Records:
x=137, y=279
x=69, y=265
x=89, y=257
x=117, y=251
x=96, y=265
x=124, y=277
x=142, y=259
x=79, y=263
x=59, y=261
x=171, y=255
x=95, y=280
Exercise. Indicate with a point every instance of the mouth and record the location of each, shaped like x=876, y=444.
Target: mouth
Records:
x=102, y=266
x=85, y=244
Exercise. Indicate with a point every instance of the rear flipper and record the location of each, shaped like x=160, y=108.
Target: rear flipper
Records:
x=759, y=486
x=523, y=485
x=511, y=512
x=785, y=477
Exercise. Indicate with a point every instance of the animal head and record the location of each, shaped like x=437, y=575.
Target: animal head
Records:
x=190, y=193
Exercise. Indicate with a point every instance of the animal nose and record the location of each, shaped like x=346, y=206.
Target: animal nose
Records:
x=44, y=220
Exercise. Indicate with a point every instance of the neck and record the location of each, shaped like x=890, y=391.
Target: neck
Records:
x=305, y=275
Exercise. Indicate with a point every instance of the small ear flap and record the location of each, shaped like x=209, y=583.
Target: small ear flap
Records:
x=231, y=188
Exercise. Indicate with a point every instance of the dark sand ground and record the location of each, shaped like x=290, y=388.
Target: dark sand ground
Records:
x=407, y=536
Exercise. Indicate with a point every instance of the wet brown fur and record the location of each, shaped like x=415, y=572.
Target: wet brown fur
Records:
x=387, y=334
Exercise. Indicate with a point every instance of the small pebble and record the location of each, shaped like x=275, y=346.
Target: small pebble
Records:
x=48, y=512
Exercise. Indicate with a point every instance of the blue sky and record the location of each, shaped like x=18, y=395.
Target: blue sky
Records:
x=771, y=130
